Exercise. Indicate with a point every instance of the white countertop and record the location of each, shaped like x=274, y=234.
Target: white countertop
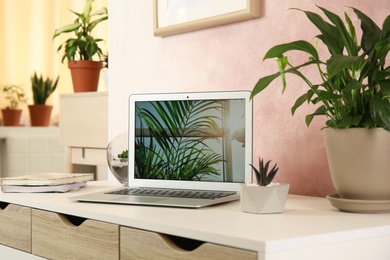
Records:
x=307, y=222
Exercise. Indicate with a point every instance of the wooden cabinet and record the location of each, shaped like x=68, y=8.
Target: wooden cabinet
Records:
x=59, y=236
x=309, y=228
x=84, y=128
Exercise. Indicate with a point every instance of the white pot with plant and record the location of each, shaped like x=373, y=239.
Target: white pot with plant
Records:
x=81, y=49
x=353, y=95
x=264, y=196
x=16, y=96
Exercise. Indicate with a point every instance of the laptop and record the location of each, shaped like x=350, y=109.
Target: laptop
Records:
x=185, y=150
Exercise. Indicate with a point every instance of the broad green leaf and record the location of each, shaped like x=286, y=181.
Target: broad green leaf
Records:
x=330, y=33
x=325, y=95
x=371, y=31
x=380, y=112
x=338, y=63
x=101, y=11
x=279, y=50
x=87, y=8
x=302, y=99
x=262, y=83
x=351, y=29
x=96, y=22
x=342, y=31
x=319, y=112
x=67, y=28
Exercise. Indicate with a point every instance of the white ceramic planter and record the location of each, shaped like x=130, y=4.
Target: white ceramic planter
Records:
x=359, y=162
x=264, y=199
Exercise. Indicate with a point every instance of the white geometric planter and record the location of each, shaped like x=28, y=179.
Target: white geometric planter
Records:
x=264, y=199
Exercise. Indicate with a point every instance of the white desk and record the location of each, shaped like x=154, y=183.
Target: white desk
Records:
x=310, y=228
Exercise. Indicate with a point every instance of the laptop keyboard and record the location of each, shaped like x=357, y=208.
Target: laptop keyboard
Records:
x=173, y=193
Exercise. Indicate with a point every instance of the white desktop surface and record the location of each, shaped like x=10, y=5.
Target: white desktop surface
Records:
x=309, y=225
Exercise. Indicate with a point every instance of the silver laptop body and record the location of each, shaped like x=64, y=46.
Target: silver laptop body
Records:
x=196, y=142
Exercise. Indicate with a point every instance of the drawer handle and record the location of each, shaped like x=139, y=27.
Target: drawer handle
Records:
x=74, y=220
x=3, y=205
x=182, y=242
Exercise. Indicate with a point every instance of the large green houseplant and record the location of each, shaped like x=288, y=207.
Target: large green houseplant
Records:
x=83, y=47
x=353, y=91
x=40, y=113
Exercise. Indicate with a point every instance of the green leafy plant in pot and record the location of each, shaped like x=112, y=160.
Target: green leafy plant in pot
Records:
x=353, y=95
x=16, y=96
x=83, y=47
x=40, y=113
x=264, y=196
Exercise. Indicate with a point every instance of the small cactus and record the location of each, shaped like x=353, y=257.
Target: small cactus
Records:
x=263, y=177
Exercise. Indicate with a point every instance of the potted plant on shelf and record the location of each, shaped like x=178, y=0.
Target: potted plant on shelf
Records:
x=16, y=95
x=353, y=95
x=264, y=196
x=83, y=47
x=40, y=112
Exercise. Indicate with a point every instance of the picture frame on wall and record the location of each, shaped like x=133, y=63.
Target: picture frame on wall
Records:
x=179, y=16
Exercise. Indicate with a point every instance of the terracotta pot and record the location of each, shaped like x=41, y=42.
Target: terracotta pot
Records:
x=85, y=75
x=359, y=162
x=40, y=114
x=11, y=117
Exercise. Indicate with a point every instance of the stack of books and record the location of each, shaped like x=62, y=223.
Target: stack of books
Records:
x=46, y=182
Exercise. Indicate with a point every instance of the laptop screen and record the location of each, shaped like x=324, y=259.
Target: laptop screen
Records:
x=190, y=138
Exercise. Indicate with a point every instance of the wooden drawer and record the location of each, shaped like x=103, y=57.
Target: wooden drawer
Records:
x=140, y=244
x=84, y=119
x=57, y=236
x=15, y=226
x=88, y=156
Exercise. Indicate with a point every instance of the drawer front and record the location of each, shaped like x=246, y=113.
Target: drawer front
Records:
x=88, y=156
x=15, y=226
x=55, y=236
x=140, y=244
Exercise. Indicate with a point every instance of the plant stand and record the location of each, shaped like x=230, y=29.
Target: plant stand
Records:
x=264, y=199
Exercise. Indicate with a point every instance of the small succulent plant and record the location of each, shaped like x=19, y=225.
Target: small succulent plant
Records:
x=124, y=154
x=263, y=176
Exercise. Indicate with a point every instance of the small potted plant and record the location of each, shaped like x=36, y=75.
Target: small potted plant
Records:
x=264, y=196
x=42, y=88
x=83, y=47
x=351, y=89
x=16, y=95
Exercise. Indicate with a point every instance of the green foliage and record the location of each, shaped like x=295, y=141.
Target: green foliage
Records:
x=124, y=154
x=15, y=94
x=173, y=153
x=355, y=87
x=263, y=177
x=42, y=89
x=83, y=46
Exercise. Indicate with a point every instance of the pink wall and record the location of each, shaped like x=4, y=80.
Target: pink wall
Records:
x=229, y=57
